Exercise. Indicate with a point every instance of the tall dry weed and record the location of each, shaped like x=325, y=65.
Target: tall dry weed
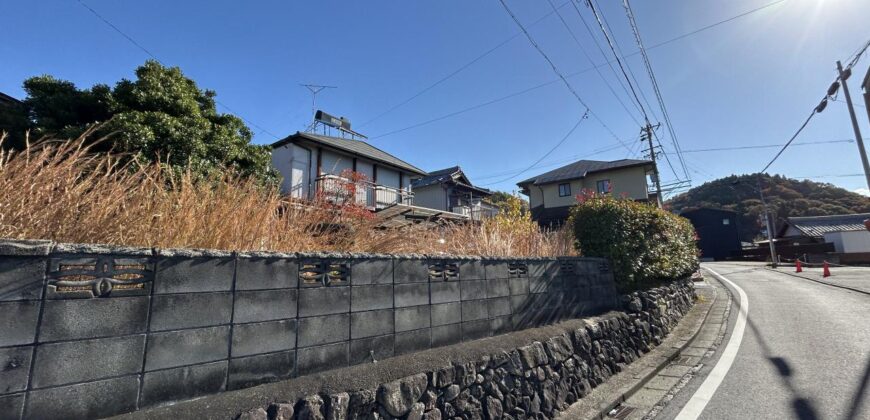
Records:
x=62, y=191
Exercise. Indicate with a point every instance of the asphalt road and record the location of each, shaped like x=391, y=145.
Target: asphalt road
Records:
x=804, y=354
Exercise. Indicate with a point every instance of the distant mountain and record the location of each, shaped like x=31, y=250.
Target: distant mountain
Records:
x=789, y=197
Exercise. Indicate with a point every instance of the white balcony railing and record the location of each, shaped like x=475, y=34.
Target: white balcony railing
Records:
x=340, y=190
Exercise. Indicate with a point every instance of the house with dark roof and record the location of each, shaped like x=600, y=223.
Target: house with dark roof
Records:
x=553, y=193
x=314, y=164
x=450, y=190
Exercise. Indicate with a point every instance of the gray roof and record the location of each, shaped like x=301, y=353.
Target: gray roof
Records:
x=581, y=169
x=354, y=147
x=817, y=226
x=452, y=174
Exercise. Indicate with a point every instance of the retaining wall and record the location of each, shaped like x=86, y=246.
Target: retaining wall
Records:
x=91, y=331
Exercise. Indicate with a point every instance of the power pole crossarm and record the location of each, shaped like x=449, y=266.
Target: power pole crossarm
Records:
x=858, y=139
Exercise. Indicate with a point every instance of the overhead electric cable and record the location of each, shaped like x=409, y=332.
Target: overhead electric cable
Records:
x=618, y=60
x=458, y=70
x=150, y=54
x=820, y=107
x=591, y=62
x=556, y=146
x=558, y=72
x=577, y=73
x=655, y=86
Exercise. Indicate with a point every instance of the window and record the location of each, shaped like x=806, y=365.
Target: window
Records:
x=604, y=186
x=726, y=221
x=564, y=190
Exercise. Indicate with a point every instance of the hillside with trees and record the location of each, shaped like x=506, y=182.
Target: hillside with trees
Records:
x=786, y=196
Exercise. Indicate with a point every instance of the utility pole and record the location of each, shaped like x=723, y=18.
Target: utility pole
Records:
x=768, y=223
x=858, y=139
x=648, y=133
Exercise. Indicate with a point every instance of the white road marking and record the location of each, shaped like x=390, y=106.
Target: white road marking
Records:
x=692, y=410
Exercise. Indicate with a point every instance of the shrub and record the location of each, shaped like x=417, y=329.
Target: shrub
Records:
x=644, y=243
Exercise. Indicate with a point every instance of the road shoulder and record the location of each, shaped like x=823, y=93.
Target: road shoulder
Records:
x=656, y=369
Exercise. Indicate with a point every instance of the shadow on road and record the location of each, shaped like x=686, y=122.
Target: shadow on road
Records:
x=860, y=394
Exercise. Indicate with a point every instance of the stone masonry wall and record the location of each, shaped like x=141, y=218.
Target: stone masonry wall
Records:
x=534, y=381
x=93, y=331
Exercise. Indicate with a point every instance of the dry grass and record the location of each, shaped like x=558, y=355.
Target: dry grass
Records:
x=60, y=190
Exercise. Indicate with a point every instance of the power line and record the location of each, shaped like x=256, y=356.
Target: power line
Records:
x=767, y=146
x=655, y=86
x=577, y=73
x=820, y=107
x=150, y=54
x=457, y=71
x=583, y=50
x=583, y=117
x=618, y=61
x=691, y=167
x=558, y=73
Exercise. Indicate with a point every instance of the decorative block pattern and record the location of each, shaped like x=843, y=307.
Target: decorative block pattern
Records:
x=99, y=276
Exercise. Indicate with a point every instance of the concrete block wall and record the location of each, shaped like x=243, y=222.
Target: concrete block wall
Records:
x=92, y=331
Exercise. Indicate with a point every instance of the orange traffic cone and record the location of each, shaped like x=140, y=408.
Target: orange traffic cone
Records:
x=826, y=272
x=797, y=266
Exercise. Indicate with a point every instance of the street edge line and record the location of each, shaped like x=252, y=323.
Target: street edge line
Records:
x=693, y=409
x=602, y=414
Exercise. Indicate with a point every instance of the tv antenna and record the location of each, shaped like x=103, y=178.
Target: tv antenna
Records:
x=315, y=89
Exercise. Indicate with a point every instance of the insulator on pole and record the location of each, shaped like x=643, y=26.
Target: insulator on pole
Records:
x=833, y=88
x=822, y=105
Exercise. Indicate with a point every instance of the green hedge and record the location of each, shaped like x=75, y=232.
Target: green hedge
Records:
x=646, y=245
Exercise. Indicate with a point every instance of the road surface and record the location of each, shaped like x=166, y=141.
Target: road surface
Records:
x=804, y=352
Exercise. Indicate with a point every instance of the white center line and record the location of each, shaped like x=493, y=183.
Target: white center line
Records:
x=692, y=410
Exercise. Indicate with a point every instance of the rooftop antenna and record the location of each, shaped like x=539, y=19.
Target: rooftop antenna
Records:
x=315, y=89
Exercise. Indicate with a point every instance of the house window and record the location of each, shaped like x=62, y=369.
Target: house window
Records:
x=726, y=222
x=604, y=186
x=564, y=190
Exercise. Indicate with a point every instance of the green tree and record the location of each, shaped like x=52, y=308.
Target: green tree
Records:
x=160, y=116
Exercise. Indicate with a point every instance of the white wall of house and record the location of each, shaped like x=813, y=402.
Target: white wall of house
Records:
x=849, y=242
x=431, y=196
x=294, y=164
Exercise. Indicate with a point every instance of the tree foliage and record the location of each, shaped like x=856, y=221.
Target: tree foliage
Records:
x=160, y=116
x=645, y=244
x=787, y=197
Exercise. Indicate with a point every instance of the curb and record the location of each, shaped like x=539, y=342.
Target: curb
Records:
x=669, y=357
x=818, y=281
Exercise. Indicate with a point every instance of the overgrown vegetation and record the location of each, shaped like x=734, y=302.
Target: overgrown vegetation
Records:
x=789, y=197
x=66, y=192
x=160, y=116
x=645, y=244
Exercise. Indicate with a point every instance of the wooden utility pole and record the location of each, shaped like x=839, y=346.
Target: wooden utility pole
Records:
x=858, y=139
x=768, y=223
x=648, y=133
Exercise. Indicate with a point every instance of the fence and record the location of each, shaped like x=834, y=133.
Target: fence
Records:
x=92, y=332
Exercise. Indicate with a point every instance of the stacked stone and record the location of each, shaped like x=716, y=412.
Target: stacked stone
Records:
x=535, y=381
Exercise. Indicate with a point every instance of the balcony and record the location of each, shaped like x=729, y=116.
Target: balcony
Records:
x=475, y=209
x=340, y=190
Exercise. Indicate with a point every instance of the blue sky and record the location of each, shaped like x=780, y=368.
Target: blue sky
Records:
x=751, y=81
